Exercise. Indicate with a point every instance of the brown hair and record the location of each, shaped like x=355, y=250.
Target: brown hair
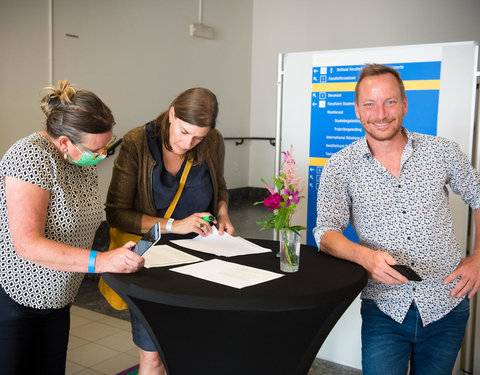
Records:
x=197, y=106
x=375, y=70
x=75, y=112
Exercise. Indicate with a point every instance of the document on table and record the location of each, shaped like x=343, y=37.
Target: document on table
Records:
x=164, y=255
x=226, y=273
x=222, y=245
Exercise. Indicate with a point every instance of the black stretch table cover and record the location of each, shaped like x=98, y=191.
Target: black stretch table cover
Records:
x=277, y=327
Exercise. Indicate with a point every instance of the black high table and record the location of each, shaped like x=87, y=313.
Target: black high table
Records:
x=277, y=327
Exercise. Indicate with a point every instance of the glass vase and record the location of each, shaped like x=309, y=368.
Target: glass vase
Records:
x=289, y=251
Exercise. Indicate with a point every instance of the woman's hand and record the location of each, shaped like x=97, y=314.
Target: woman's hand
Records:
x=224, y=223
x=193, y=224
x=120, y=260
x=27, y=222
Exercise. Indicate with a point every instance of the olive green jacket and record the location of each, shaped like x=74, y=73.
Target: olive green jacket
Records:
x=130, y=194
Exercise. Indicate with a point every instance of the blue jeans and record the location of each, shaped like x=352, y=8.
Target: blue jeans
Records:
x=389, y=347
x=141, y=338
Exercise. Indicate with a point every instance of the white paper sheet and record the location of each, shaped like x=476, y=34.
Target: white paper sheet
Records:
x=222, y=245
x=164, y=255
x=226, y=273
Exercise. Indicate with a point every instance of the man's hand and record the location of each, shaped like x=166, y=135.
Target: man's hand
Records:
x=378, y=267
x=377, y=263
x=469, y=273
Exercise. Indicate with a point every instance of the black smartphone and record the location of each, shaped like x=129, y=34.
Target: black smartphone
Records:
x=406, y=271
x=148, y=240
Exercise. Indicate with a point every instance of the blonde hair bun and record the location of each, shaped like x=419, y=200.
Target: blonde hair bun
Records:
x=57, y=97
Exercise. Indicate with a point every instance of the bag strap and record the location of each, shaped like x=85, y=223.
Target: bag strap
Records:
x=181, y=185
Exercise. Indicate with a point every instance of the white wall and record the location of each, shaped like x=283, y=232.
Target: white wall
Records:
x=138, y=55
x=135, y=55
x=23, y=67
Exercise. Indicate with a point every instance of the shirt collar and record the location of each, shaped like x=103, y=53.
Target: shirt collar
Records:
x=364, y=151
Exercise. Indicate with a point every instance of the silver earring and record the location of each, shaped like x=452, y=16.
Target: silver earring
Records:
x=65, y=154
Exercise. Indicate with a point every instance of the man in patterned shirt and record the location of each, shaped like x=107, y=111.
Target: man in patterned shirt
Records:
x=392, y=186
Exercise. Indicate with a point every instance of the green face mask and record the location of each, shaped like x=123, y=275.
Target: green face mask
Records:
x=87, y=159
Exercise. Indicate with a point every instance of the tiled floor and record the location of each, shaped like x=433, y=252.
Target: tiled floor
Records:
x=99, y=344
x=100, y=338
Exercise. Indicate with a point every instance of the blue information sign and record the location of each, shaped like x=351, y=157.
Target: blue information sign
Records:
x=334, y=125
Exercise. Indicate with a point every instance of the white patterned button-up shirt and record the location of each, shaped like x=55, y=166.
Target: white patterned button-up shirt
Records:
x=408, y=217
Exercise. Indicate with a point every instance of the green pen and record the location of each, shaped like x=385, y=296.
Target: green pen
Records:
x=209, y=218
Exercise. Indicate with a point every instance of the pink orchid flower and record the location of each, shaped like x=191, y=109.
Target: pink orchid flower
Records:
x=292, y=197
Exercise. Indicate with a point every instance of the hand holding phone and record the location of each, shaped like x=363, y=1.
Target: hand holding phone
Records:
x=406, y=271
x=148, y=240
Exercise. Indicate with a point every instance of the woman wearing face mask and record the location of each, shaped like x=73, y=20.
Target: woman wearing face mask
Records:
x=49, y=210
x=181, y=144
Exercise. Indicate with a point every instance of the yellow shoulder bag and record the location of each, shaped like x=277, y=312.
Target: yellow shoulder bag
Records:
x=118, y=238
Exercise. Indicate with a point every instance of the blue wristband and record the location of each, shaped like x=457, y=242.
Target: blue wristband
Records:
x=91, y=261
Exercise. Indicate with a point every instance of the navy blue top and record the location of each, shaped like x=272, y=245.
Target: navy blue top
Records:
x=198, y=191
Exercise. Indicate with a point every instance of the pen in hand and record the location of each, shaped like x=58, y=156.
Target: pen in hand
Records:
x=209, y=218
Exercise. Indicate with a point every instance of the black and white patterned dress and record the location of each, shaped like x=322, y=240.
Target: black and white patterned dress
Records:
x=73, y=215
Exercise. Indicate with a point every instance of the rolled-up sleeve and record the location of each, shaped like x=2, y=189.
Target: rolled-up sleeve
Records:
x=333, y=200
x=463, y=178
